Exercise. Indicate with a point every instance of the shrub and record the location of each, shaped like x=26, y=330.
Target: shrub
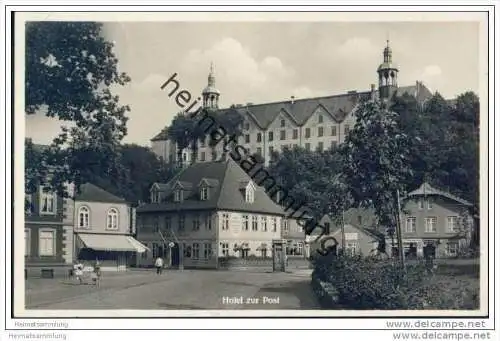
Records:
x=369, y=283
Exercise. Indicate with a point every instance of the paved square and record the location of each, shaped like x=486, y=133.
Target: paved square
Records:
x=177, y=290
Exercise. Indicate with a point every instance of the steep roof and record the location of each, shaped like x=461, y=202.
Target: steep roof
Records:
x=426, y=189
x=92, y=193
x=338, y=106
x=224, y=193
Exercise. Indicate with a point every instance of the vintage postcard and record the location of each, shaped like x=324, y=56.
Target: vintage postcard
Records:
x=252, y=164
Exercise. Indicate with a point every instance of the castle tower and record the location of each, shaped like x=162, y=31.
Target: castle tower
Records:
x=210, y=93
x=387, y=75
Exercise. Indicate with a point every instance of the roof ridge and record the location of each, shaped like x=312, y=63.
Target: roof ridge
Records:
x=298, y=100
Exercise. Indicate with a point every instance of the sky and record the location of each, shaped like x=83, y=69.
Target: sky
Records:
x=258, y=62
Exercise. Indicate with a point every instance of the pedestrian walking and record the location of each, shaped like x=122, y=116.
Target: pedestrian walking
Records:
x=159, y=265
x=78, y=271
x=96, y=274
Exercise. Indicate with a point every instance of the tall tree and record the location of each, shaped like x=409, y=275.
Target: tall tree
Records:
x=376, y=163
x=70, y=69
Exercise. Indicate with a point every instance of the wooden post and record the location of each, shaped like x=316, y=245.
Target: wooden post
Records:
x=399, y=233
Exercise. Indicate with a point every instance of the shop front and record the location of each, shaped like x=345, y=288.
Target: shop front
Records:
x=114, y=252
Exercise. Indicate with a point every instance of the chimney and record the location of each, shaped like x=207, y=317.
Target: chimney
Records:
x=293, y=99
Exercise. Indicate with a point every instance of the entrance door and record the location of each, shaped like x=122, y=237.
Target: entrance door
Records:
x=174, y=255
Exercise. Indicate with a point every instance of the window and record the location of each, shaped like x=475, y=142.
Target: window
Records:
x=196, y=251
x=308, y=146
x=47, y=242
x=112, y=220
x=47, y=202
x=27, y=242
x=351, y=248
x=259, y=151
x=196, y=223
x=360, y=220
x=346, y=129
x=225, y=249
x=225, y=221
x=204, y=193
x=283, y=135
x=334, y=131
x=334, y=144
x=411, y=224
x=245, y=222
x=429, y=204
x=275, y=224
x=155, y=196
x=320, y=146
x=320, y=119
x=203, y=142
x=452, y=249
x=263, y=222
x=282, y=123
x=259, y=137
x=83, y=217
x=421, y=204
x=246, y=126
x=453, y=224
x=168, y=223
x=255, y=226
x=182, y=221
x=187, y=250
x=208, y=222
x=247, y=138
x=430, y=224
x=295, y=134
x=308, y=133
x=284, y=223
x=207, y=251
x=202, y=156
x=156, y=224
x=271, y=136
x=300, y=249
x=249, y=195
x=320, y=131
x=178, y=195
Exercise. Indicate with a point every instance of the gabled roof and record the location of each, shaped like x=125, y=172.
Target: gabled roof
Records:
x=225, y=195
x=161, y=187
x=338, y=106
x=91, y=193
x=425, y=189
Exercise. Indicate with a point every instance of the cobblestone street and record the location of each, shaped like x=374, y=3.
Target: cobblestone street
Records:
x=188, y=289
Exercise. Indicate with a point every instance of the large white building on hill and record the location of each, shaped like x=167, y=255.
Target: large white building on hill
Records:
x=312, y=123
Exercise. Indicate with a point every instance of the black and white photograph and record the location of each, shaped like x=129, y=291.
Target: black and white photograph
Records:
x=251, y=164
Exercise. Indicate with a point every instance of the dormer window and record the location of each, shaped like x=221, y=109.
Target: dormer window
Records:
x=155, y=196
x=249, y=194
x=204, y=193
x=178, y=195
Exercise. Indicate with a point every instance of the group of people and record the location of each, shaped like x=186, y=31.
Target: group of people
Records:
x=95, y=274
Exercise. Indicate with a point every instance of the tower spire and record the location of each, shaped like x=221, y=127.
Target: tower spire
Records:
x=210, y=93
x=387, y=74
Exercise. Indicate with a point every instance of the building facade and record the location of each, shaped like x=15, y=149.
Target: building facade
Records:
x=48, y=231
x=103, y=229
x=313, y=123
x=208, y=212
x=435, y=217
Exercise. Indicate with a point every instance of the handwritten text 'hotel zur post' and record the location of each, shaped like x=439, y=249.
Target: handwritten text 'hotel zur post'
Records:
x=247, y=162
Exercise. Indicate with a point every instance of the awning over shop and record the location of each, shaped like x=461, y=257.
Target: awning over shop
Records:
x=106, y=242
